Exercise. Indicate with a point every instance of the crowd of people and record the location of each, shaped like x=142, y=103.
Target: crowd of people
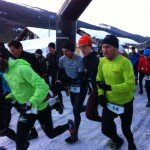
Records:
x=26, y=81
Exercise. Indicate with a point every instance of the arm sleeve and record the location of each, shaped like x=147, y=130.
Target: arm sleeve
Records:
x=41, y=88
x=81, y=67
x=10, y=96
x=100, y=77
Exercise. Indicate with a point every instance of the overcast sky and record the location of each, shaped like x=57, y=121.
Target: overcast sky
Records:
x=129, y=15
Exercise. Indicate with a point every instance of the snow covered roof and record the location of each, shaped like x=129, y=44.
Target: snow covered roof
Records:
x=101, y=34
x=95, y=33
x=42, y=33
x=127, y=41
x=33, y=44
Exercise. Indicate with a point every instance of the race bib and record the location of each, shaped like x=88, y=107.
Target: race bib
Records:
x=147, y=77
x=117, y=109
x=75, y=88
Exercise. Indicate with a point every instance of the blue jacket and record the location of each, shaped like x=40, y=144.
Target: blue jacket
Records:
x=5, y=85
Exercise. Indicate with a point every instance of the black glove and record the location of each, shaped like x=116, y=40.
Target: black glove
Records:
x=104, y=86
x=58, y=85
x=56, y=104
x=10, y=103
x=102, y=100
x=23, y=108
x=76, y=81
x=92, y=83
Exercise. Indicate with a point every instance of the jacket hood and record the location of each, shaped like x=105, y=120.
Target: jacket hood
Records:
x=12, y=62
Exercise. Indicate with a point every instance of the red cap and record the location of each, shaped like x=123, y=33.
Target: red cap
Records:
x=85, y=40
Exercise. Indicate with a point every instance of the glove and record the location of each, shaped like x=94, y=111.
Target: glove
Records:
x=102, y=100
x=55, y=104
x=10, y=103
x=92, y=83
x=104, y=86
x=76, y=81
x=58, y=85
x=25, y=108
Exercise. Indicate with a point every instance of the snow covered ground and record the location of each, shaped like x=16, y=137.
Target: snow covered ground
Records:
x=90, y=136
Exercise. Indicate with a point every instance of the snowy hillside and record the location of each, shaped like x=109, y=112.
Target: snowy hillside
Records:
x=90, y=136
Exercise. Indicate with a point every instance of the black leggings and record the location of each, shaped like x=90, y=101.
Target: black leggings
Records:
x=77, y=100
x=9, y=133
x=109, y=126
x=147, y=86
x=26, y=122
x=5, y=118
x=141, y=76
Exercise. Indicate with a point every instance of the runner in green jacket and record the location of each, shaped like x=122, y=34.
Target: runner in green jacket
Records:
x=28, y=95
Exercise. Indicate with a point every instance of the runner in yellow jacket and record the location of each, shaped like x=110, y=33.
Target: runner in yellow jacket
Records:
x=115, y=80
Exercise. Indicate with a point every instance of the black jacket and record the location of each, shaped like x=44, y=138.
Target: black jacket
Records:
x=91, y=65
x=53, y=61
x=31, y=59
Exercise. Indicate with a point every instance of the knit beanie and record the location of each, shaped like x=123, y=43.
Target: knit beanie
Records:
x=146, y=52
x=85, y=40
x=39, y=51
x=52, y=45
x=4, y=53
x=69, y=46
x=111, y=40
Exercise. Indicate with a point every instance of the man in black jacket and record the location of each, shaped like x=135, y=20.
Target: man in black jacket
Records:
x=53, y=59
x=17, y=51
x=91, y=60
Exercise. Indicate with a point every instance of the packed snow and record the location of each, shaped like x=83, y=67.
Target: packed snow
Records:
x=90, y=135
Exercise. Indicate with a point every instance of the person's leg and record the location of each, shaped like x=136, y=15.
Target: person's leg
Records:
x=33, y=134
x=109, y=127
x=45, y=119
x=5, y=118
x=126, y=120
x=24, y=125
x=108, y=124
x=147, y=87
x=77, y=100
x=141, y=76
x=91, y=108
x=9, y=133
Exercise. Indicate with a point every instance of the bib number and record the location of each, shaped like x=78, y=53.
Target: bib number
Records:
x=117, y=109
x=147, y=77
x=75, y=88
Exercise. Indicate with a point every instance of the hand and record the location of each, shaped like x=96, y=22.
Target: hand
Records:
x=23, y=108
x=92, y=83
x=55, y=104
x=76, y=81
x=58, y=85
x=104, y=86
x=11, y=103
x=102, y=100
